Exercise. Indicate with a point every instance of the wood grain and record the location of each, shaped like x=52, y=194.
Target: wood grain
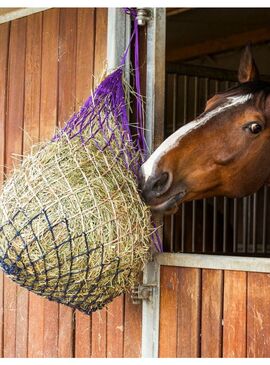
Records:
x=99, y=333
x=83, y=327
x=66, y=106
x=84, y=82
x=258, y=315
x=235, y=314
x=100, y=44
x=34, y=342
x=4, y=44
x=188, y=315
x=85, y=54
x=48, y=121
x=14, y=127
x=211, y=322
x=169, y=292
x=132, y=328
x=99, y=319
x=115, y=327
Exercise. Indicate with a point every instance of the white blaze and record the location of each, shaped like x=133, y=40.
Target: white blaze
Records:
x=173, y=140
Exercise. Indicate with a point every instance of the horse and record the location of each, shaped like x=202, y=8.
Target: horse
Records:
x=225, y=151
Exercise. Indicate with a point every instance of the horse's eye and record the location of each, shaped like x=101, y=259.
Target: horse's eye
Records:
x=254, y=127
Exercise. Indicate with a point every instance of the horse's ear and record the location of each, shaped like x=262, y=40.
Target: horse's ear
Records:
x=247, y=69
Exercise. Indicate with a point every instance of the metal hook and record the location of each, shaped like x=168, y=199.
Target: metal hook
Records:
x=143, y=15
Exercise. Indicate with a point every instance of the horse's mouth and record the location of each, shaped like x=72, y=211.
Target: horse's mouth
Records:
x=170, y=205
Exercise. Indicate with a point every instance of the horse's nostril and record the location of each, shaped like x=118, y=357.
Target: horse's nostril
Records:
x=160, y=185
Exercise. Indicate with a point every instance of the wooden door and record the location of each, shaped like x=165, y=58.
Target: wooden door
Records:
x=209, y=312
x=47, y=63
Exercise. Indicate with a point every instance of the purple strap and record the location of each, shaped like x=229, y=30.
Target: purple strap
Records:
x=139, y=103
x=109, y=99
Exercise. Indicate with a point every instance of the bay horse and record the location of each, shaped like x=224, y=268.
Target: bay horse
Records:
x=223, y=152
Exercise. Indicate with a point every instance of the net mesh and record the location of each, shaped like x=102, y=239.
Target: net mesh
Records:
x=73, y=227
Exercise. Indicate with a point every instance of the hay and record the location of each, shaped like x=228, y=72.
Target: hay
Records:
x=73, y=226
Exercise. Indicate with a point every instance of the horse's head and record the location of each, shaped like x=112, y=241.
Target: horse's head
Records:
x=224, y=151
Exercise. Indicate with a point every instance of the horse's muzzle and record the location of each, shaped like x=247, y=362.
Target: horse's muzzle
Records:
x=154, y=187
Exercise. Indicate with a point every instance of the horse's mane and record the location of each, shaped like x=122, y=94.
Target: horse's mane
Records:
x=260, y=89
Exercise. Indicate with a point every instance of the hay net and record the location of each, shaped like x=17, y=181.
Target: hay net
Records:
x=73, y=227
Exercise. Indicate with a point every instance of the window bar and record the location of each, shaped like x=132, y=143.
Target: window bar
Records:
x=244, y=224
x=215, y=200
x=206, y=92
x=183, y=218
x=174, y=111
x=225, y=211
x=254, y=222
x=249, y=213
x=234, y=225
x=194, y=201
x=225, y=207
x=265, y=191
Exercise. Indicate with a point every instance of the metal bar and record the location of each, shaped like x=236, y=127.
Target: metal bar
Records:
x=248, y=223
x=254, y=222
x=174, y=113
x=206, y=95
x=214, y=262
x=183, y=216
x=215, y=224
x=155, y=103
x=215, y=200
x=117, y=36
x=244, y=249
x=235, y=220
x=204, y=225
x=225, y=209
x=193, y=247
x=225, y=213
x=265, y=191
x=150, y=312
x=183, y=228
x=193, y=243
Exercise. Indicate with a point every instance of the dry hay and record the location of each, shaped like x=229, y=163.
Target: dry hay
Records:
x=72, y=225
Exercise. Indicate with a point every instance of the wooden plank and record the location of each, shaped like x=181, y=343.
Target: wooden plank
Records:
x=48, y=118
x=211, y=321
x=32, y=81
x=235, y=314
x=99, y=319
x=258, y=315
x=4, y=44
x=14, y=127
x=22, y=322
x=188, y=316
x=169, y=292
x=82, y=335
x=31, y=135
x=67, y=64
x=49, y=78
x=99, y=333
x=132, y=328
x=115, y=327
x=84, y=79
x=85, y=54
x=218, y=45
x=100, y=43
x=66, y=104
